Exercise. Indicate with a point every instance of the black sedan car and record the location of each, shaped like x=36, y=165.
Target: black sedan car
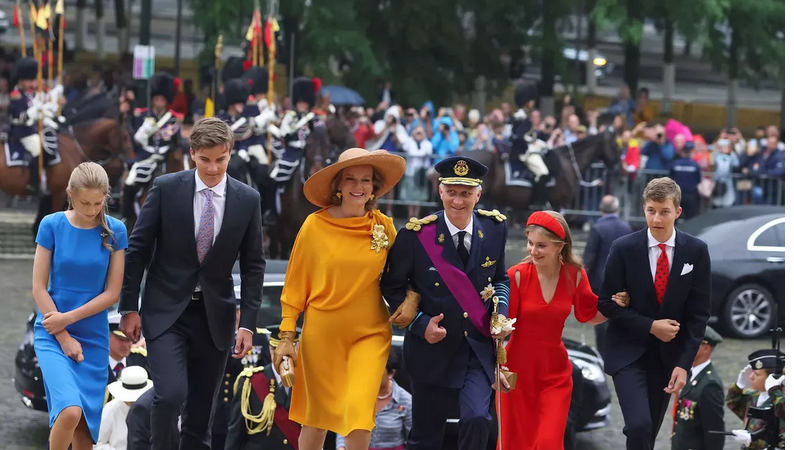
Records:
x=591, y=397
x=748, y=261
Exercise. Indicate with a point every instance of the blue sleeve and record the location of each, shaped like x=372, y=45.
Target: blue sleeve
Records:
x=778, y=166
x=668, y=152
x=119, y=234
x=454, y=142
x=648, y=147
x=46, y=234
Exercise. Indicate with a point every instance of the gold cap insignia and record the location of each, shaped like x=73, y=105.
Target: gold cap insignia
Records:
x=461, y=168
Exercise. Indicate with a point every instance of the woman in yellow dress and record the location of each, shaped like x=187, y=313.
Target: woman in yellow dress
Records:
x=333, y=279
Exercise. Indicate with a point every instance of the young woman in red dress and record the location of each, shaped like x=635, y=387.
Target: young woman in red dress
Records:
x=544, y=287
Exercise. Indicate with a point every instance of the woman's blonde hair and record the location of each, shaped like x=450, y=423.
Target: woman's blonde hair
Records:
x=569, y=258
x=377, y=185
x=91, y=176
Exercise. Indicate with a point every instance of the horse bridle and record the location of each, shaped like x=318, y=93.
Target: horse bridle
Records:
x=576, y=170
x=101, y=162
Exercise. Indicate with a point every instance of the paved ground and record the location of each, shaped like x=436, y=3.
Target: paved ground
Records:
x=22, y=429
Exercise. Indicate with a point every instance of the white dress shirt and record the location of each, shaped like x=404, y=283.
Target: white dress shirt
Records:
x=697, y=369
x=654, y=251
x=455, y=230
x=218, y=201
x=113, y=428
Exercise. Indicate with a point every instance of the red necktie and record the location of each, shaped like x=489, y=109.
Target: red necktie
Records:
x=118, y=368
x=662, y=273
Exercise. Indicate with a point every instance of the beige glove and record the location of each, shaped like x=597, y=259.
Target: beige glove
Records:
x=406, y=312
x=284, y=357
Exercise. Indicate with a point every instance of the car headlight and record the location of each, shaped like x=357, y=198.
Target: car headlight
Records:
x=600, y=61
x=589, y=370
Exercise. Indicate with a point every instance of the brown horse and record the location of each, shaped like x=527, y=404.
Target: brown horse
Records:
x=574, y=161
x=323, y=147
x=102, y=141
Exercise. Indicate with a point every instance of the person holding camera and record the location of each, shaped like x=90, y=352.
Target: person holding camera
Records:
x=390, y=134
x=658, y=149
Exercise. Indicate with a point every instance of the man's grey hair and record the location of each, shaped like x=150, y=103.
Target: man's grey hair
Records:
x=609, y=204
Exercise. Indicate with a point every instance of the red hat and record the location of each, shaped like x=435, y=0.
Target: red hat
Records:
x=547, y=221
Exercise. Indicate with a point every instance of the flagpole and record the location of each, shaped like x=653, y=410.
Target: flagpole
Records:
x=33, y=31
x=37, y=55
x=61, y=27
x=271, y=73
x=20, y=23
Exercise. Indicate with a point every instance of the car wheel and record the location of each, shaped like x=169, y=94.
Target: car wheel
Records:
x=748, y=311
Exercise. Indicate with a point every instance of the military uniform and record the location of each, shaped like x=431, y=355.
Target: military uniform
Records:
x=295, y=130
x=137, y=356
x=236, y=91
x=465, y=280
x=525, y=147
x=698, y=408
x=258, y=356
x=255, y=387
x=741, y=398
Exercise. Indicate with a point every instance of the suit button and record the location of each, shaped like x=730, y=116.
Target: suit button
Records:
x=465, y=315
x=285, y=442
x=436, y=284
x=465, y=333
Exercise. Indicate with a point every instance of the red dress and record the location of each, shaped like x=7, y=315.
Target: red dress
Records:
x=534, y=414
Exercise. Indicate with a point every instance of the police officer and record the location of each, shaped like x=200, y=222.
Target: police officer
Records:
x=158, y=129
x=263, y=118
x=25, y=109
x=259, y=391
x=455, y=260
x=752, y=390
x=121, y=352
x=687, y=173
x=525, y=147
x=699, y=406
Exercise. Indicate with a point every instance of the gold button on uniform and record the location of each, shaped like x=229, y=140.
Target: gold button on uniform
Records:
x=226, y=399
x=226, y=383
x=465, y=315
x=225, y=391
x=436, y=284
x=285, y=442
x=465, y=333
x=489, y=279
x=228, y=375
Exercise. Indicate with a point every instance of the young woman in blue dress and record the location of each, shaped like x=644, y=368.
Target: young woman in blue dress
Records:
x=77, y=275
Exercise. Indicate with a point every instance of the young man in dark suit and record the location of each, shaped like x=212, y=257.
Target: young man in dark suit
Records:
x=650, y=345
x=191, y=229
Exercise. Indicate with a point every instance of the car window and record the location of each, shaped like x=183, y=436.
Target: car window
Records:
x=780, y=232
x=768, y=237
x=270, y=310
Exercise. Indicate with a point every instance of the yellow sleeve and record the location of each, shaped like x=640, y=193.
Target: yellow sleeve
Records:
x=297, y=281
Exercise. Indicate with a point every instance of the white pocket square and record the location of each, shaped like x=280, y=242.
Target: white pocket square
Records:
x=687, y=268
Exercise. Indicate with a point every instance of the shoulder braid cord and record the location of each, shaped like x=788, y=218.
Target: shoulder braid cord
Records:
x=415, y=224
x=264, y=420
x=494, y=214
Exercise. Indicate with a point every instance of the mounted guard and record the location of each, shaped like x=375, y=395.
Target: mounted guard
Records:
x=526, y=149
x=158, y=131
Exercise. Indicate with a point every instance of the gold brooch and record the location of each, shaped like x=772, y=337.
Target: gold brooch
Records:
x=480, y=234
x=379, y=238
x=487, y=292
x=488, y=262
x=461, y=168
x=441, y=238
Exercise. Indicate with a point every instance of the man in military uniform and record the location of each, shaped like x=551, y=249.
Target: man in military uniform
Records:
x=525, y=147
x=455, y=260
x=259, y=392
x=263, y=117
x=752, y=389
x=158, y=129
x=121, y=352
x=236, y=92
x=25, y=109
x=259, y=355
x=699, y=407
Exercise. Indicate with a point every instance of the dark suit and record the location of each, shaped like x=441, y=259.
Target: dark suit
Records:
x=700, y=410
x=238, y=437
x=139, y=430
x=463, y=363
x=605, y=231
x=639, y=363
x=189, y=336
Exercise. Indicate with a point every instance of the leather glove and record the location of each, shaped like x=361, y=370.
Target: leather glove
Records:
x=742, y=436
x=406, y=312
x=743, y=381
x=772, y=381
x=285, y=349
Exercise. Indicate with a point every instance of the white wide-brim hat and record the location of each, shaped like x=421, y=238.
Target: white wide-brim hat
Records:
x=132, y=383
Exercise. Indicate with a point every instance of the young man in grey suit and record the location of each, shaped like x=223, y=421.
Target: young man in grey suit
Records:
x=190, y=231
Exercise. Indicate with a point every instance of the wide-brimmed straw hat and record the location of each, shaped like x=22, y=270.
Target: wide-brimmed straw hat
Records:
x=132, y=383
x=318, y=188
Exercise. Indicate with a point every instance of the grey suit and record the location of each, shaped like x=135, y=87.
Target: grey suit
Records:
x=189, y=336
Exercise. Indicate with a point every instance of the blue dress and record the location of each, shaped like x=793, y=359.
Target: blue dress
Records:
x=78, y=273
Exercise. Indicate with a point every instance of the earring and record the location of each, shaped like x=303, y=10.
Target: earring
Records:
x=372, y=197
x=559, y=255
x=338, y=194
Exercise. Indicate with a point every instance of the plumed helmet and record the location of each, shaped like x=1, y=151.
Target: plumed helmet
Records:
x=526, y=91
x=164, y=84
x=236, y=91
x=232, y=69
x=303, y=90
x=26, y=69
x=257, y=79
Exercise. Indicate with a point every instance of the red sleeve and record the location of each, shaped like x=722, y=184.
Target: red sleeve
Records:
x=585, y=302
x=513, y=306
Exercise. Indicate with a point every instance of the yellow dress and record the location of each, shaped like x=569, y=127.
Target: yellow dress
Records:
x=333, y=277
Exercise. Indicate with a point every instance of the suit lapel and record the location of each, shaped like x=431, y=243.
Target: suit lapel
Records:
x=185, y=194
x=232, y=205
x=445, y=238
x=691, y=385
x=474, y=253
x=679, y=258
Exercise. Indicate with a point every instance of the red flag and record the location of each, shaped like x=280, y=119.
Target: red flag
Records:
x=17, y=16
x=268, y=28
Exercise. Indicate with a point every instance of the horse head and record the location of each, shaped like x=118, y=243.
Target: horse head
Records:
x=611, y=154
x=317, y=152
x=339, y=135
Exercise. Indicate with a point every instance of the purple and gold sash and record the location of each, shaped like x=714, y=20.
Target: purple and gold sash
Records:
x=457, y=281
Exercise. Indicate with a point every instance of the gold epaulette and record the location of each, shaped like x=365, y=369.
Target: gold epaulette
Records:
x=264, y=420
x=247, y=372
x=416, y=224
x=140, y=351
x=494, y=214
